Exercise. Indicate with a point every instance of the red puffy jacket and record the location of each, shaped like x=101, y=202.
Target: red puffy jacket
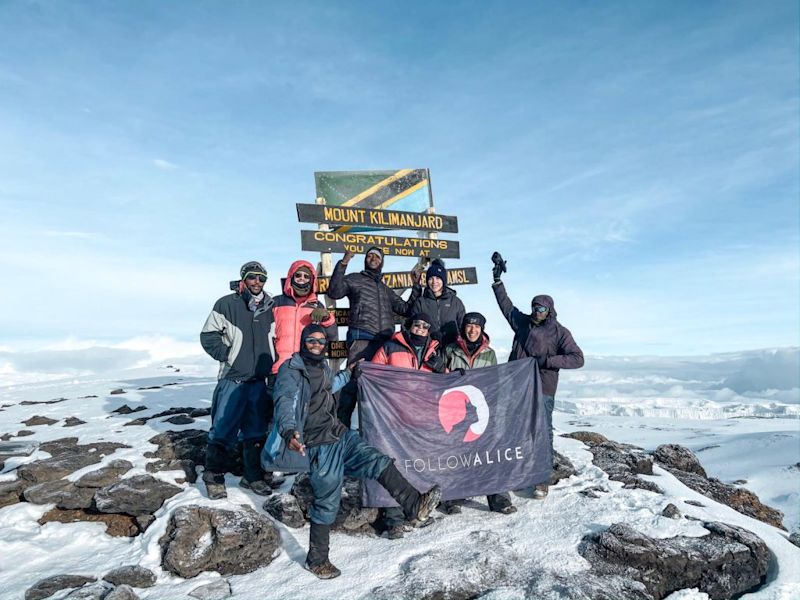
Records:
x=398, y=353
x=292, y=314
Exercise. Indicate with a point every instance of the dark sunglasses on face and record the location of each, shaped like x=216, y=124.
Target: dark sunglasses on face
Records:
x=317, y=341
x=540, y=309
x=302, y=277
x=421, y=324
x=261, y=278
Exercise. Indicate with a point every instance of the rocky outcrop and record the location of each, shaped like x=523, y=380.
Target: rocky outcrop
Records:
x=132, y=575
x=62, y=493
x=45, y=588
x=126, y=410
x=351, y=518
x=39, y=420
x=179, y=450
x=67, y=456
x=138, y=495
x=73, y=422
x=671, y=511
x=105, y=475
x=91, y=591
x=200, y=539
x=116, y=525
x=286, y=509
x=562, y=468
x=216, y=590
x=685, y=466
x=727, y=562
x=622, y=462
x=122, y=592
x=11, y=491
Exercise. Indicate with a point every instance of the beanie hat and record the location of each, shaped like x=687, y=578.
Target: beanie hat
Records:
x=313, y=328
x=437, y=270
x=421, y=316
x=252, y=267
x=375, y=250
x=474, y=318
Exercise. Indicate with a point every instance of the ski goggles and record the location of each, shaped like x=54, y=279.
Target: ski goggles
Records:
x=540, y=309
x=318, y=341
x=253, y=276
x=421, y=324
x=301, y=276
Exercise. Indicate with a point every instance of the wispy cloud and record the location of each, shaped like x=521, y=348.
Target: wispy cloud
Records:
x=164, y=165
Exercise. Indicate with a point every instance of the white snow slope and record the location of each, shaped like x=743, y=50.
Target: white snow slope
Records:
x=542, y=537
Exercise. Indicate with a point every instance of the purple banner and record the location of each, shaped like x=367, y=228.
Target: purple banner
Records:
x=483, y=432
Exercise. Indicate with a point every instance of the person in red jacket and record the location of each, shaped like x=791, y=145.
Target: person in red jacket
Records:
x=297, y=307
x=409, y=349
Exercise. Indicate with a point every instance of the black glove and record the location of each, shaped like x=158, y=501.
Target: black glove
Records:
x=461, y=372
x=499, y=266
x=435, y=362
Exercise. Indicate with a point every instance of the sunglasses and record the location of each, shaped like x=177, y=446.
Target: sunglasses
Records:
x=540, y=309
x=421, y=324
x=318, y=341
x=301, y=276
x=261, y=278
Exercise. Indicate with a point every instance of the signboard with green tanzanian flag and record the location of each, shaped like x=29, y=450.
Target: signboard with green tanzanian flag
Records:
x=404, y=189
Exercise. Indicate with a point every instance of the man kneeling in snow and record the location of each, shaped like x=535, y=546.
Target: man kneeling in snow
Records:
x=308, y=436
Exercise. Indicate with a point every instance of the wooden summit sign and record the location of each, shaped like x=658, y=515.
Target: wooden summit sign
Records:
x=367, y=217
x=336, y=349
x=402, y=280
x=359, y=243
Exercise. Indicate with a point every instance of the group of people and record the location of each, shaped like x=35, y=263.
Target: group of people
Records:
x=285, y=396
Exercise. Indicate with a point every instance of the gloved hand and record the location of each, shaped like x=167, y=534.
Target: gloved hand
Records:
x=319, y=314
x=435, y=362
x=499, y=266
x=347, y=256
x=416, y=274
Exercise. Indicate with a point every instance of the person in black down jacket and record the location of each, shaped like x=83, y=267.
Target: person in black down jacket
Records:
x=441, y=303
x=236, y=334
x=373, y=306
x=541, y=336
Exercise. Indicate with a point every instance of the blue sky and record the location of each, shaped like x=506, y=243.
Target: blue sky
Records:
x=636, y=160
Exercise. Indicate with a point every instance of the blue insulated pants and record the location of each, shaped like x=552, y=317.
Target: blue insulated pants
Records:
x=350, y=456
x=238, y=407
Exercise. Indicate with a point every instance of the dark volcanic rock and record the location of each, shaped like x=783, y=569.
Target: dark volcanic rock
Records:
x=179, y=450
x=138, y=495
x=795, y=538
x=725, y=563
x=672, y=457
x=117, y=391
x=105, y=475
x=122, y=592
x=216, y=590
x=39, y=420
x=132, y=575
x=11, y=491
x=671, y=511
x=32, y=402
x=116, y=525
x=24, y=433
x=286, y=509
x=91, y=591
x=45, y=588
x=72, y=422
x=180, y=420
x=351, y=518
x=207, y=539
x=622, y=462
x=135, y=422
x=126, y=410
x=562, y=468
x=694, y=503
x=187, y=466
x=67, y=457
x=61, y=492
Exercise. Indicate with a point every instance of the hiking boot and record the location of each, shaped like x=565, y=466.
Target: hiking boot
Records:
x=259, y=486
x=509, y=509
x=324, y=570
x=451, y=507
x=540, y=491
x=427, y=503
x=395, y=532
x=275, y=479
x=215, y=485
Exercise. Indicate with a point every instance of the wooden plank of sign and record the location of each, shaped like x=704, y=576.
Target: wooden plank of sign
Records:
x=401, y=280
x=359, y=243
x=336, y=349
x=381, y=218
x=342, y=316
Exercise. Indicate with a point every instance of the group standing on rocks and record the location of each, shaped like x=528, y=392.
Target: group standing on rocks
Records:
x=276, y=388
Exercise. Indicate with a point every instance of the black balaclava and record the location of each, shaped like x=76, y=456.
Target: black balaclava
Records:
x=309, y=356
x=472, y=318
x=304, y=289
x=374, y=250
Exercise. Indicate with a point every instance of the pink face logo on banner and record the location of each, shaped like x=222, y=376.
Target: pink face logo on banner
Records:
x=453, y=409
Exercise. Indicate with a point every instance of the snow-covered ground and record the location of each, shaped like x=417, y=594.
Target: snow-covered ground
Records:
x=542, y=537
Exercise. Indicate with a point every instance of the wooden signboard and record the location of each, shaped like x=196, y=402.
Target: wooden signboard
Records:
x=401, y=280
x=372, y=218
x=359, y=243
x=336, y=350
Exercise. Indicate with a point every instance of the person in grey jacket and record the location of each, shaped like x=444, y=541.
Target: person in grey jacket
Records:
x=307, y=427
x=236, y=334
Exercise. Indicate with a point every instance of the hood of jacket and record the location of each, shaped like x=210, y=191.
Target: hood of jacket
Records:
x=287, y=285
x=545, y=300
